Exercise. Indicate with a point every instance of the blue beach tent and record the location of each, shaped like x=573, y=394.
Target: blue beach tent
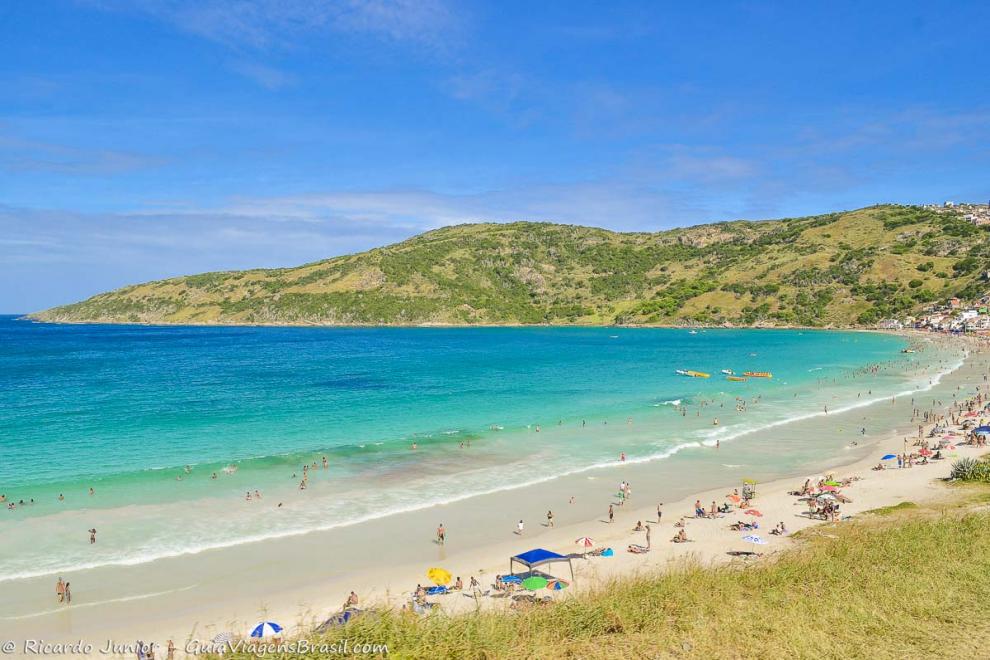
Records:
x=539, y=557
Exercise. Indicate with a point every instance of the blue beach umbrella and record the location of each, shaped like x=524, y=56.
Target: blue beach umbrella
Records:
x=266, y=629
x=888, y=457
x=982, y=430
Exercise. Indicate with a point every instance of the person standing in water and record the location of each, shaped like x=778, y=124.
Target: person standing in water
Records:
x=60, y=590
x=92, y=535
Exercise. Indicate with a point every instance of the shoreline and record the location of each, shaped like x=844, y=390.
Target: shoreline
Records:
x=646, y=459
x=309, y=587
x=31, y=317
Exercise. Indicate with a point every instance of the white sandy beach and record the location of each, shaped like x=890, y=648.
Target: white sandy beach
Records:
x=299, y=581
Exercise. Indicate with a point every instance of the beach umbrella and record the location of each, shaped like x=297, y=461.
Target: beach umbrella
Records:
x=511, y=579
x=557, y=585
x=833, y=483
x=266, y=629
x=534, y=582
x=438, y=575
x=888, y=457
x=735, y=499
x=925, y=452
x=753, y=512
x=586, y=541
x=223, y=638
x=982, y=430
x=751, y=482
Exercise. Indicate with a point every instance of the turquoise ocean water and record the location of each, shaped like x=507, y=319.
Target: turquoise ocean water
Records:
x=124, y=410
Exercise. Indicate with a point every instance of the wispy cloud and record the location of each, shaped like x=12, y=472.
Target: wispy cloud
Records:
x=278, y=23
x=20, y=155
x=268, y=77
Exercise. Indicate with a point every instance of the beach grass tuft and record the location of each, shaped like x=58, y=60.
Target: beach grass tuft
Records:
x=887, y=510
x=912, y=583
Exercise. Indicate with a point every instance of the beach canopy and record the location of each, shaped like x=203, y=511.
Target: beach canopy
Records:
x=539, y=557
x=888, y=457
x=266, y=629
x=982, y=430
x=438, y=575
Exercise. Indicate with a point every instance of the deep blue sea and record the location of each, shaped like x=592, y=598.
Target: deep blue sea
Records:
x=146, y=416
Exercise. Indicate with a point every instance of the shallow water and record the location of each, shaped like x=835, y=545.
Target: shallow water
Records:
x=123, y=409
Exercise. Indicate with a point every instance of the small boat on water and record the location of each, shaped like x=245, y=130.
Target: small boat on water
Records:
x=758, y=374
x=693, y=332
x=736, y=378
x=909, y=350
x=692, y=374
x=728, y=372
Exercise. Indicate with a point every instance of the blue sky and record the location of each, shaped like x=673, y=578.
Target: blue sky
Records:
x=142, y=139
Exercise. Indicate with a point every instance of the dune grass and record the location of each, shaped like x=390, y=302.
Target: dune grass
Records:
x=913, y=583
x=887, y=510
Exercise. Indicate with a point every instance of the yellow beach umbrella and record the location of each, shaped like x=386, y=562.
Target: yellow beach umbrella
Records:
x=438, y=575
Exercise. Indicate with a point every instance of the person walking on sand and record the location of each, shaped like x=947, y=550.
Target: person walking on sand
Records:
x=611, y=514
x=441, y=534
x=68, y=594
x=60, y=590
x=519, y=528
x=550, y=519
x=659, y=512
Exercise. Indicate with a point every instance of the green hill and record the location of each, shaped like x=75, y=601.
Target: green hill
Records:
x=837, y=269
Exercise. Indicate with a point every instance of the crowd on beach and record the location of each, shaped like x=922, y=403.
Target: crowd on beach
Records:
x=940, y=429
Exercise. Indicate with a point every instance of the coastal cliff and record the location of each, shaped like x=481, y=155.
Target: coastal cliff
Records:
x=839, y=269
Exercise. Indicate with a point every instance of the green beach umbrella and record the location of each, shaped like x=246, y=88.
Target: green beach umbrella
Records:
x=535, y=582
x=833, y=483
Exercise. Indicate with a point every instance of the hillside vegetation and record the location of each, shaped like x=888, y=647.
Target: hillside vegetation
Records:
x=837, y=269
